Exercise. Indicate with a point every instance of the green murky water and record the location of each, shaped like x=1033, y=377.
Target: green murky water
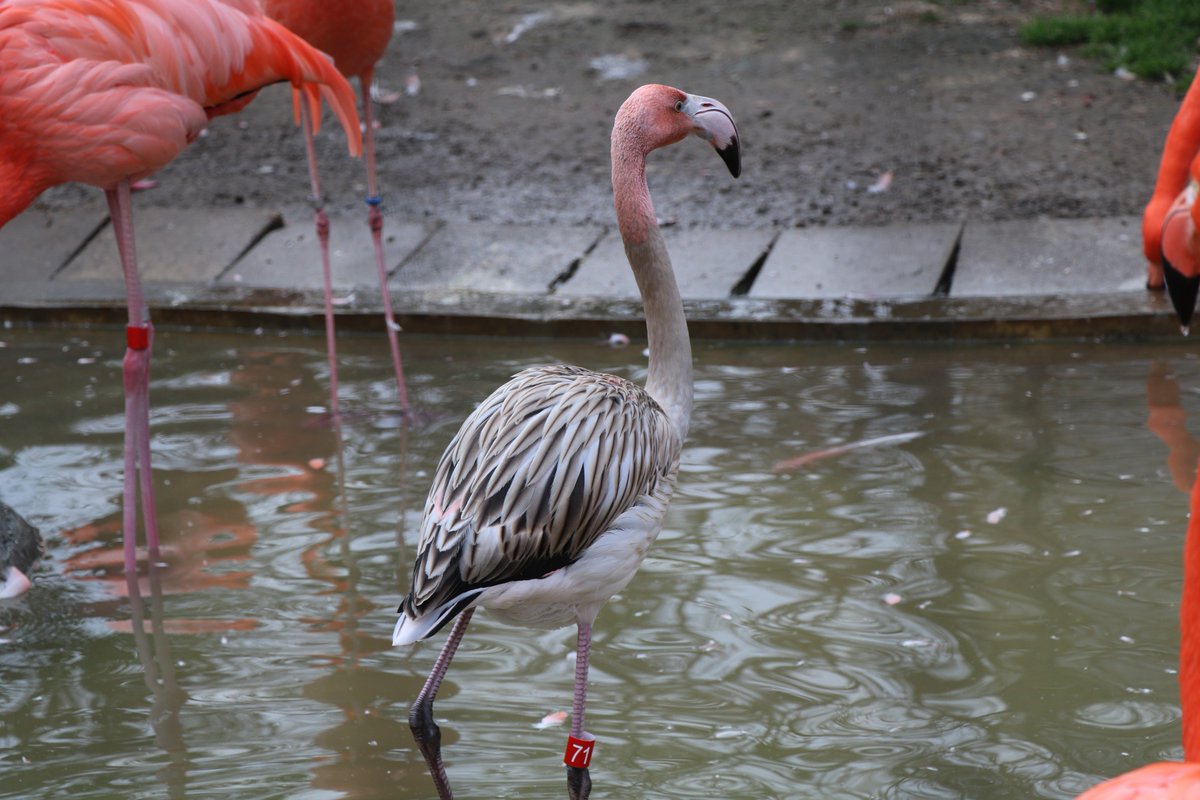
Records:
x=986, y=611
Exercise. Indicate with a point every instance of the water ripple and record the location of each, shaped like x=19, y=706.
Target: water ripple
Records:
x=871, y=625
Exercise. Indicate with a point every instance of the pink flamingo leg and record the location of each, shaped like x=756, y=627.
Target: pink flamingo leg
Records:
x=129, y=507
x=579, y=783
x=321, y=221
x=420, y=716
x=375, y=222
x=145, y=474
x=139, y=337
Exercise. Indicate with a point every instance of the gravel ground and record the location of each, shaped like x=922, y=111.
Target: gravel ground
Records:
x=501, y=112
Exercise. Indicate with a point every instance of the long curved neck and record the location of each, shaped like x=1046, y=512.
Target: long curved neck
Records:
x=1180, y=147
x=1189, y=634
x=669, y=380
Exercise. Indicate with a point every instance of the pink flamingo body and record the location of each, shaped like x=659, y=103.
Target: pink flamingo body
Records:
x=355, y=34
x=1180, y=247
x=1164, y=780
x=1180, y=148
x=1174, y=192
x=106, y=92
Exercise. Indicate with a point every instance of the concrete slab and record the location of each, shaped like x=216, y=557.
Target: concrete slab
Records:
x=175, y=245
x=708, y=263
x=1050, y=257
x=289, y=256
x=485, y=257
x=38, y=242
x=887, y=261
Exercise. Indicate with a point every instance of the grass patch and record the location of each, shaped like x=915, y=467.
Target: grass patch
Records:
x=853, y=25
x=1153, y=39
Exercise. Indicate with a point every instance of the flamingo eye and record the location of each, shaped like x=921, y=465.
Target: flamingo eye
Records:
x=679, y=105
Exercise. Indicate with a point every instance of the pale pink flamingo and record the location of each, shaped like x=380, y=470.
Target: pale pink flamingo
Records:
x=20, y=549
x=546, y=501
x=355, y=35
x=106, y=92
x=1179, y=150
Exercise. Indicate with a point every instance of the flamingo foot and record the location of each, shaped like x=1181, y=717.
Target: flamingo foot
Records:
x=429, y=739
x=1154, y=278
x=579, y=783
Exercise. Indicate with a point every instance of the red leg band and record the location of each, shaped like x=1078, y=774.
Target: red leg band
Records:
x=137, y=337
x=579, y=751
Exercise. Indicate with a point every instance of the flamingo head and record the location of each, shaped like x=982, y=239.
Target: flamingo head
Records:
x=664, y=115
x=1152, y=230
x=1180, y=251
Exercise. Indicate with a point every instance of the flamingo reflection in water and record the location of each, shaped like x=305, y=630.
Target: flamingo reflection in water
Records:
x=1173, y=780
x=358, y=765
x=305, y=468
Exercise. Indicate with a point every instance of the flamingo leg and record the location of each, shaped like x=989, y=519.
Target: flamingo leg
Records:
x=375, y=222
x=579, y=782
x=139, y=338
x=145, y=475
x=321, y=222
x=420, y=716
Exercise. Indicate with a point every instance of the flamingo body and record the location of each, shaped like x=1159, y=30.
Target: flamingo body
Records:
x=1179, y=150
x=546, y=519
x=1180, y=245
x=354, y=32
x=99, y=91
x=1164, y=780
x=107, y=91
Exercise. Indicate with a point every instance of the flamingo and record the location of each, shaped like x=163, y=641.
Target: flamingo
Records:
x=547, y=499
x=355, y=34
x=20, y=549
x=1174, y=780
x=1179, y=150
x=1181, y=248
x=106, y=92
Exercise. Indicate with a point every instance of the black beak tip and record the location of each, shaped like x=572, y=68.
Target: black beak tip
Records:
x=1183, y=291
x=731, y=154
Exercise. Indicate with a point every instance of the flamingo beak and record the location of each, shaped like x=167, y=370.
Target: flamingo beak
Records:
x=714, y=124
x=1180, y=270
x=1182, y=289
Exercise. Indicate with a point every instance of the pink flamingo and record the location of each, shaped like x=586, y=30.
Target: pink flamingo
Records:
x=1173, y=780
x=355, y=34
x=106, y=92
x=548, y=498
x=1179, y=150
x=1181, y=247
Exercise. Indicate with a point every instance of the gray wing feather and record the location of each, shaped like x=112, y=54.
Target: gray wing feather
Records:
x=536, y=473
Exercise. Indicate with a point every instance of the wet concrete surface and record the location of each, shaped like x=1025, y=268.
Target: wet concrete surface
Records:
x=764, y=303
x=860, y=119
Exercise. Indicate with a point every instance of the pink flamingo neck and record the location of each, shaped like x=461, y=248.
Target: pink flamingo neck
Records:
x=1181, y=146
x=669, y=379
x=1189, y=634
